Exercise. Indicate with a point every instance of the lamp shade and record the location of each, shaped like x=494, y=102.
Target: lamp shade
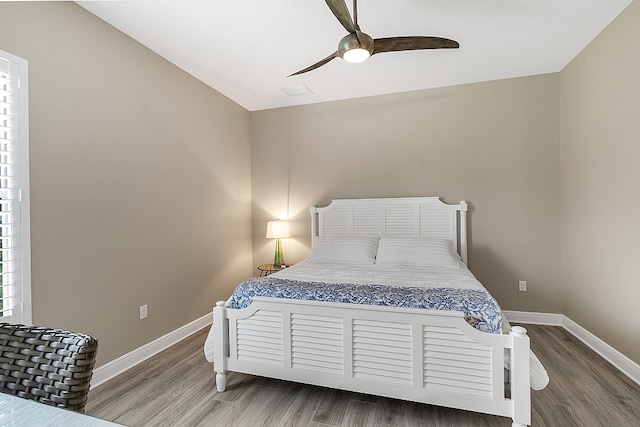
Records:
x=278, y=229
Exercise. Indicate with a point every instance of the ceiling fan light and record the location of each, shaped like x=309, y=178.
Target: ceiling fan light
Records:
x=355, y=47
x=356, y=55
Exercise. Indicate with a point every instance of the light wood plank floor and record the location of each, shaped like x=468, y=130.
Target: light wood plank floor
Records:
x=176, y=388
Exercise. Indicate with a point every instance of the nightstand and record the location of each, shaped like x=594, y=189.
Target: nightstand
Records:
x=267, y=269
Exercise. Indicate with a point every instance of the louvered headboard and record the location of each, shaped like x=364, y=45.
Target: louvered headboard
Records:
x=427, y=217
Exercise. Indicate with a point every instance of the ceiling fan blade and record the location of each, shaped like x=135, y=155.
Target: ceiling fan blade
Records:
x=339, y=9
x=316, y=65
x=394, y=44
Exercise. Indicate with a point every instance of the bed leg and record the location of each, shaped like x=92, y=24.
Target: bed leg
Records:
x=221, y=381
x=520, y=381
x=220, y=342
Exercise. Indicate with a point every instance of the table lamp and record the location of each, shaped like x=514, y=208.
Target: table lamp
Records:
x=278, y=230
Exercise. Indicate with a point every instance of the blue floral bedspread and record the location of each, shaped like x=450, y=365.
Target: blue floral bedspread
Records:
x=480, y=308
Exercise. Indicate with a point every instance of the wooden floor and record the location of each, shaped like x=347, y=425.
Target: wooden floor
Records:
x=176, y=388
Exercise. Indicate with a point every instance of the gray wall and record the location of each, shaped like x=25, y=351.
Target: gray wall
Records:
x=600, y=117
x=493, y=144
x=140, y=189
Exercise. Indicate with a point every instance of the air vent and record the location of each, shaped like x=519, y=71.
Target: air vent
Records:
x=296, y=90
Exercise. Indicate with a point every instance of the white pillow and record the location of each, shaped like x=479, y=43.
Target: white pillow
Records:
x=416, y=252
x=344, y=250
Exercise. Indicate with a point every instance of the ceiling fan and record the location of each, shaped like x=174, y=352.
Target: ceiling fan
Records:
x=357, y=46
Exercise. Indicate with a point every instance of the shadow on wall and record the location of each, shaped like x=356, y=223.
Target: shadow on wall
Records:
x=495, y=274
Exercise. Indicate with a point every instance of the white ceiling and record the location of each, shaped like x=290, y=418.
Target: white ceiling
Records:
x=246, y=48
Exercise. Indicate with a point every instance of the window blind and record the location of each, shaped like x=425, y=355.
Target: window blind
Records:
x=7, y=197
x=14, y=250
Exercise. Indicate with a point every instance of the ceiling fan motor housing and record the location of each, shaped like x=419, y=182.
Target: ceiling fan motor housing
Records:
x=357, y=40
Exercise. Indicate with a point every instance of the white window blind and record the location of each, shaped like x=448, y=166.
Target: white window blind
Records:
x=15, y=265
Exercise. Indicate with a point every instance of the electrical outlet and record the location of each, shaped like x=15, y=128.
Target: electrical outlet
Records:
x=522, y=285
x=143, y=312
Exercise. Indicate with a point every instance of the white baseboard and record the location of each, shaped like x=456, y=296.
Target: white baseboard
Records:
x=610, y=354
x=534, y=318
x=109, y=370
x=613, y=356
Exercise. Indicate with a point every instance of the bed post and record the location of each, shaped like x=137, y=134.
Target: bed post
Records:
x=314, y=222
x=520, y=381
x=463, y=231
x=220, y=341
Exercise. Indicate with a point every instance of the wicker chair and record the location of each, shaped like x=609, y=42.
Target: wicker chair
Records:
x=50, y=366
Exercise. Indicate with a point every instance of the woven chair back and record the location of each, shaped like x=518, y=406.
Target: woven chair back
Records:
x=50, y=366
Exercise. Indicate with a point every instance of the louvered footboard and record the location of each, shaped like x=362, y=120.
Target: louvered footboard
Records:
x=426, y=356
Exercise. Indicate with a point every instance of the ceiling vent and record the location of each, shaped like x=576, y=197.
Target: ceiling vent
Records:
x=296, y=90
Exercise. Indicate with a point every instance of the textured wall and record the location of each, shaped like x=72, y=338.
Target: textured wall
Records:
x=140, y=189
x=493, y=144
x=600, y=127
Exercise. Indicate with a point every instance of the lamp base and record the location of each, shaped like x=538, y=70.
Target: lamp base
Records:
x=278, y=258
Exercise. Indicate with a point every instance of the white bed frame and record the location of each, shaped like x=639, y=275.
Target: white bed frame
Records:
x=427, y=356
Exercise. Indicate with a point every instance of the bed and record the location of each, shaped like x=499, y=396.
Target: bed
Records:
x=385, y=305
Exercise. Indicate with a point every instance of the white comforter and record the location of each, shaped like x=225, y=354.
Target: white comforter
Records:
x=455, y=278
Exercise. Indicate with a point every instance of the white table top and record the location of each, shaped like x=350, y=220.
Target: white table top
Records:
x=15, y=412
